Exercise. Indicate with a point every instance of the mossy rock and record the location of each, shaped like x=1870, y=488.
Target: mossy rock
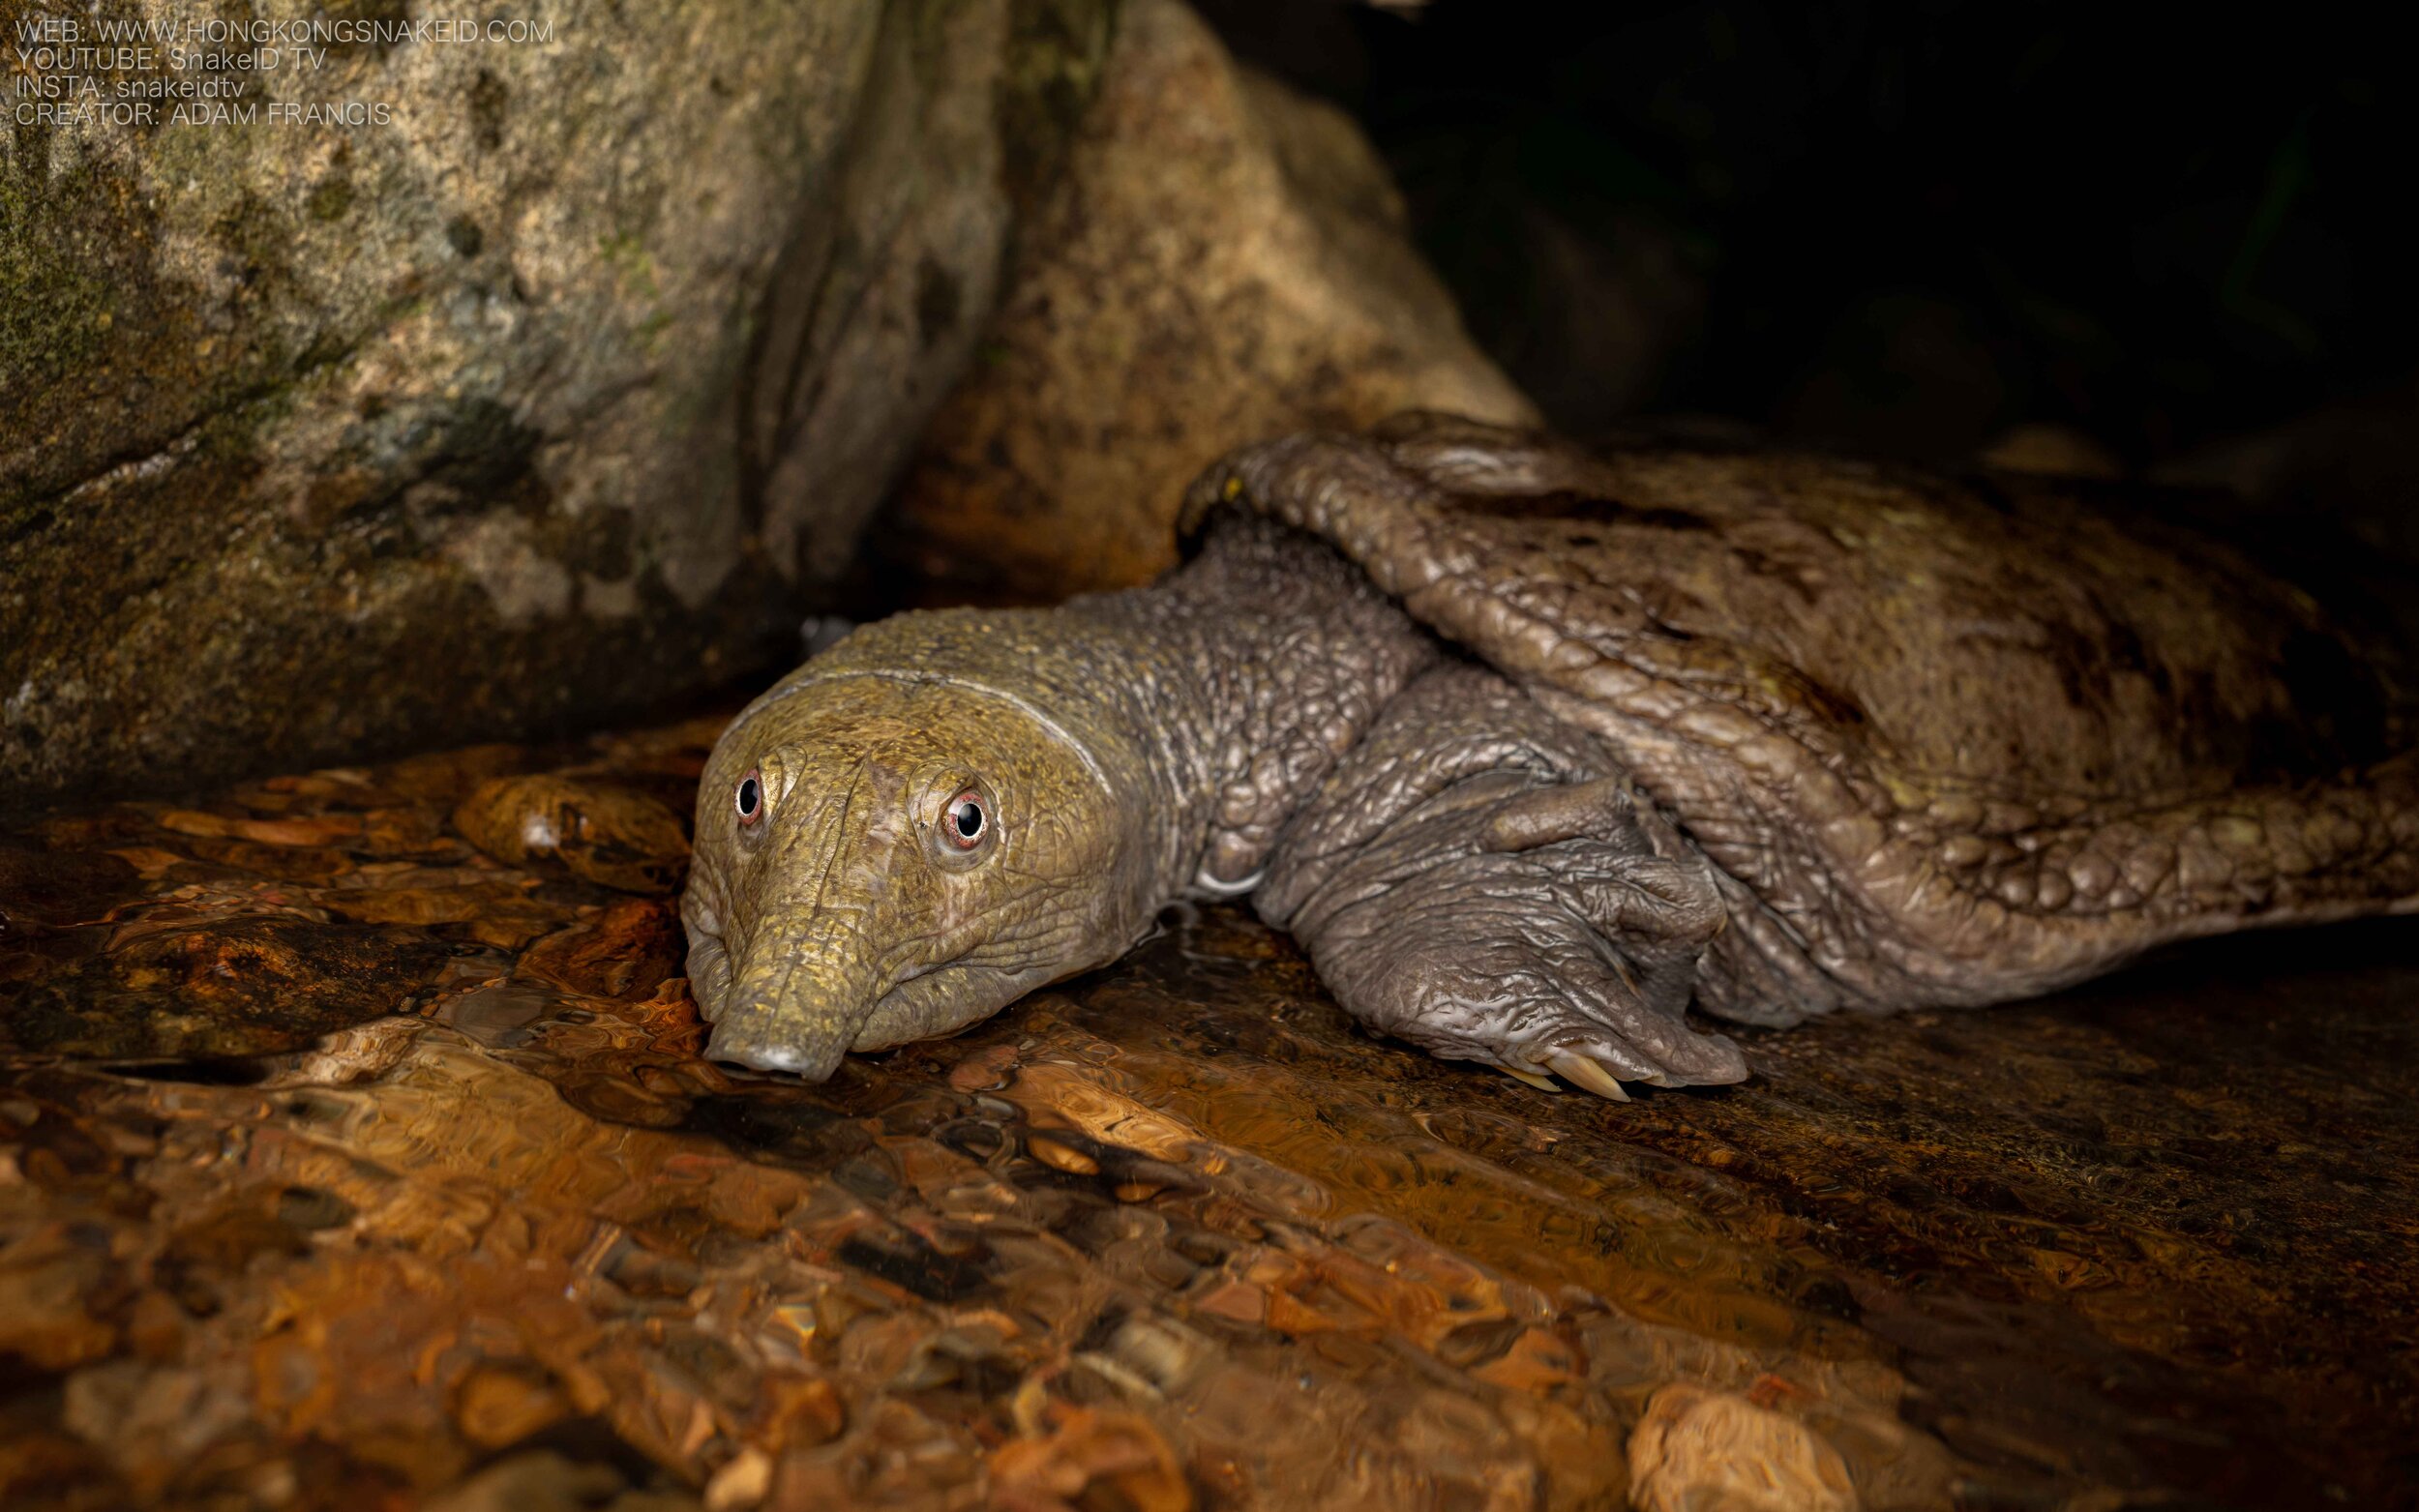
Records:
x=554, y=396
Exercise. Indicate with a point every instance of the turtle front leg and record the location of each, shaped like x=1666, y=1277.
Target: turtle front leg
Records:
x=1477, y=877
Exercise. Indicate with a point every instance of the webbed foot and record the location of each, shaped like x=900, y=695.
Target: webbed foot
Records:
x=1474, y=878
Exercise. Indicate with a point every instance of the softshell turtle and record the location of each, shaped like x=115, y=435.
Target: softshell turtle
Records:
x=1531, y=747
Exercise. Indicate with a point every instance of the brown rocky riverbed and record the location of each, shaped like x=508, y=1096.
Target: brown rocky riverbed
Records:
x=355, y=1150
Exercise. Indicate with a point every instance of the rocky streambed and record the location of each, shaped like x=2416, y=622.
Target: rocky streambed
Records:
x=355, y=1150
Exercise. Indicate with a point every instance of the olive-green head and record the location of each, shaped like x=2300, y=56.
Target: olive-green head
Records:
x=883, y=858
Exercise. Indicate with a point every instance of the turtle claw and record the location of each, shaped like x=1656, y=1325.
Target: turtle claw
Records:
x=1580, y=1071
x=1542, y=1082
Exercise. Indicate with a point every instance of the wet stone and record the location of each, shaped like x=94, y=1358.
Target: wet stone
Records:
x=41, y=891
x=342, y=1161
x=233, y=987
x=598, y=833
x=1698, y=1448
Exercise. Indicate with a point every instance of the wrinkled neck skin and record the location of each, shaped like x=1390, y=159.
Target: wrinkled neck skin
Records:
x=1240, y=680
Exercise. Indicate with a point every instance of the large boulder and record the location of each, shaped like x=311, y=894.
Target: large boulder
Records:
x=519, y=391
x=1223, y=257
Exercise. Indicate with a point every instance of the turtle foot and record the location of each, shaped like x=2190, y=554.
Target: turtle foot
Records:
x=1497, y=895
x=1472, y=961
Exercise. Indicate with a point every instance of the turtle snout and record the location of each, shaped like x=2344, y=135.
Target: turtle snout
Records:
x=762, y=1046
x=801, y=999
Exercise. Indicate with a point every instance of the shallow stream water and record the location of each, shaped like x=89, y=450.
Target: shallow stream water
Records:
x=355, y=1152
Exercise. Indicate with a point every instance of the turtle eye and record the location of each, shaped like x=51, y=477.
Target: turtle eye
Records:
x=966, y=821
x=749, y=798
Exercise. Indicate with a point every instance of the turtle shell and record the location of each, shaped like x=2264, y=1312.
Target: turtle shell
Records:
x=1931, y=697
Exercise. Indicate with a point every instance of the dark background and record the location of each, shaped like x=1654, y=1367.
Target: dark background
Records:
x=1900, y=228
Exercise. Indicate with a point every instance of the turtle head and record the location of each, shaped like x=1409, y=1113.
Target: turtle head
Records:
x=885, y=858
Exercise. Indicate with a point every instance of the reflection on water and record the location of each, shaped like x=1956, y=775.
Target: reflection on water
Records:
x=346, y=1162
